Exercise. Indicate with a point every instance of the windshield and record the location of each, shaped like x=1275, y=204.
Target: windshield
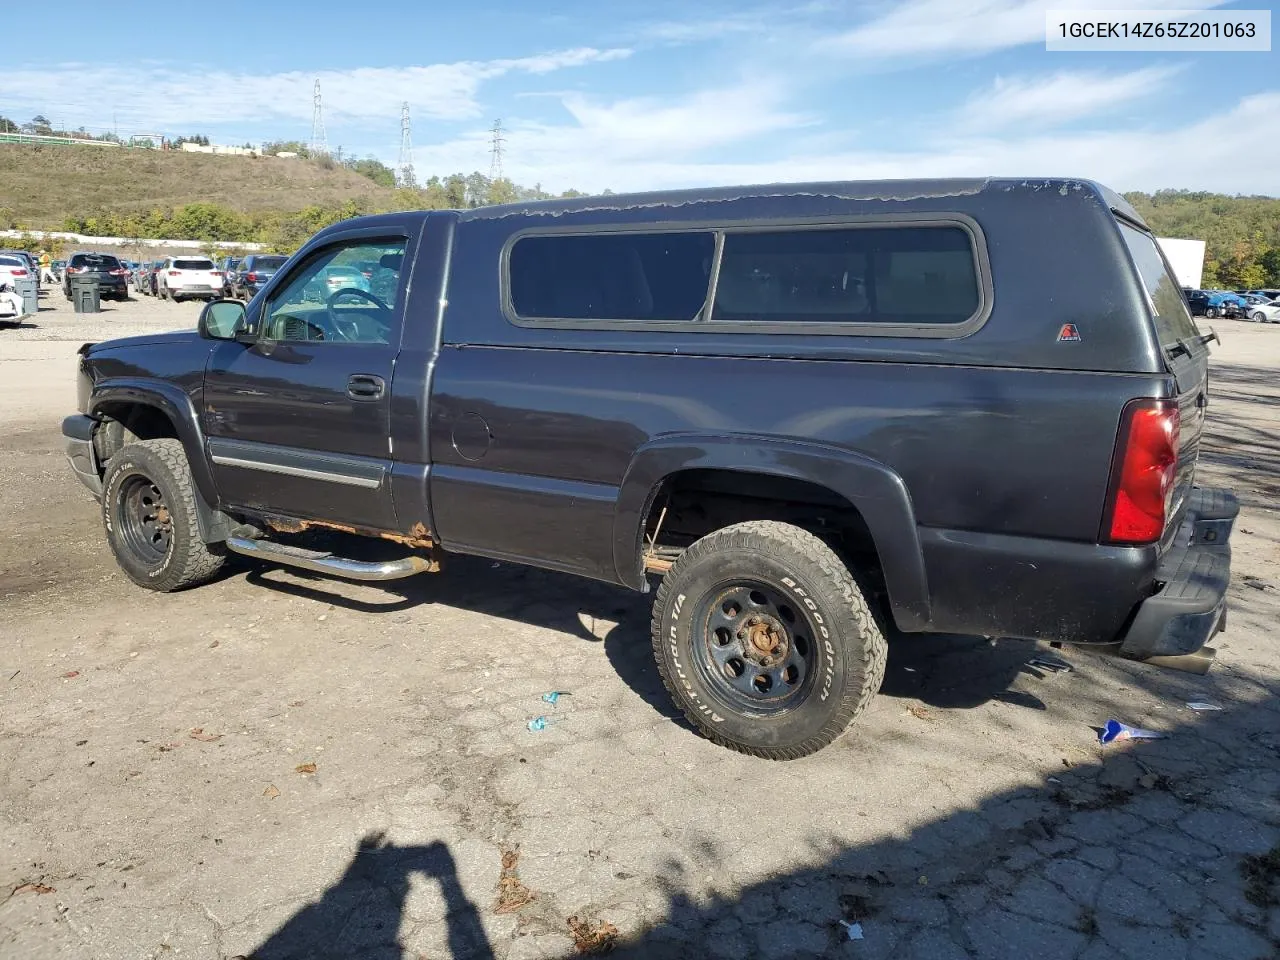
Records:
x=96, y=261
x=1173, y=319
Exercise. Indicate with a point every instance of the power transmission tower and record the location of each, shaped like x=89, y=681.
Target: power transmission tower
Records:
x=405, y=164
x=495, y=151
x=319, y=142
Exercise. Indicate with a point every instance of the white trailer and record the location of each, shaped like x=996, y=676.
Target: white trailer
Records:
x=1187, y=259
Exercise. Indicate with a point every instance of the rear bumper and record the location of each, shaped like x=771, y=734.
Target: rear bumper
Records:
x=77, y=431
x=1191, y=604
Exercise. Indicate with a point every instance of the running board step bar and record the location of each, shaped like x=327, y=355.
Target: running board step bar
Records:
x=320, y=562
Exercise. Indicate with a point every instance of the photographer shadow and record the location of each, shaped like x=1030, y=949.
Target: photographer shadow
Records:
x=360, y=914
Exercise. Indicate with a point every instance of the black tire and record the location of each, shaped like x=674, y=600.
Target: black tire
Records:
x=815, y=689
x=1211, y=313
x=149, y=512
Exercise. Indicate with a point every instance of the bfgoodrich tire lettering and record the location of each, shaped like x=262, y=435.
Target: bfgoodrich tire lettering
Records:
x=777, y=583
x=149, y=513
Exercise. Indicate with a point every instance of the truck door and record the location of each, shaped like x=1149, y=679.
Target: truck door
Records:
x=298, y=422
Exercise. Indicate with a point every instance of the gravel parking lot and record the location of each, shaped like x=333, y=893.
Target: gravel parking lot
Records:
x=279, y=766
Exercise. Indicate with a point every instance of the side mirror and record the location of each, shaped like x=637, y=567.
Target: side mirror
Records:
x=223, y=320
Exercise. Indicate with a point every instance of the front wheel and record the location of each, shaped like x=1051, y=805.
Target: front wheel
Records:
x=149, y=511
x=1259, y=317
x=765, y=641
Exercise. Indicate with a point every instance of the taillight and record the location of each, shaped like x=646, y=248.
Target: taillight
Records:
x=76, y=269
x=174, y=273
x=251, y=277
x=1142, y=473
x=18, y=272
x=118, y=273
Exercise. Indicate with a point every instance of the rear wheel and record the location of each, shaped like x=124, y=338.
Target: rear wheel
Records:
x=1211, y=313
x=765, y=641
x=149, y=511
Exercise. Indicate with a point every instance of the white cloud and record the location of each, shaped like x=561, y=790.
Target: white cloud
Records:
x=690, y=31
x=934, y=27
x=768, y=19
x=611, y=136
x=184, y=99
x=1058, y=98
x=656, y=155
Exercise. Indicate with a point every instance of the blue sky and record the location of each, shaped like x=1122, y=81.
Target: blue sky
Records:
x=632, y=95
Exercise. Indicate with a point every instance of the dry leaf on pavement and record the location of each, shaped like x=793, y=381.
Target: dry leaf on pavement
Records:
x=593, y=936
x=512, y=893
x=197, y=733
x=271, y=792
x=305, y=768
x=33, y=888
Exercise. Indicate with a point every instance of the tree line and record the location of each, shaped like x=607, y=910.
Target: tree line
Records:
x=1241, y=234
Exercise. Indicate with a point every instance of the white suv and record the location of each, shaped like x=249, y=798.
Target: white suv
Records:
x=184, y=278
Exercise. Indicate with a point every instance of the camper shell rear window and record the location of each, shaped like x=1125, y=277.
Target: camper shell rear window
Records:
x=922, y=278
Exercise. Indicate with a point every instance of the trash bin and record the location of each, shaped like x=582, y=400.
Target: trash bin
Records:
x=84, y=294
x=30, y=294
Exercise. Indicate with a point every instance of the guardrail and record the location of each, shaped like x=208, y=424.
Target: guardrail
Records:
x=87, y=241
x=66, y=141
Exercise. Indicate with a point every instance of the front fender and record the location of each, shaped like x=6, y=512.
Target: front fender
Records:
x=174, y=403
x=876, y=491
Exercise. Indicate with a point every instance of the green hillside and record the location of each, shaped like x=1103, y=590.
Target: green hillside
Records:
x=42, y=186
x=1242, y=233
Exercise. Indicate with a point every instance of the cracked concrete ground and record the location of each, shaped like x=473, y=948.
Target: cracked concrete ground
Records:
x=152, y=804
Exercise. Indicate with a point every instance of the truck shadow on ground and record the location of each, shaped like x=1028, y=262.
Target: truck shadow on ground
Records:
x=936, y=669
x=1036, y=870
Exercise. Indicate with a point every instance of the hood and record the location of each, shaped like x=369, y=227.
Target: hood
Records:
x=144, y=340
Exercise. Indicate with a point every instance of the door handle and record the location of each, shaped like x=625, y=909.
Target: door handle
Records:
x=365, y=386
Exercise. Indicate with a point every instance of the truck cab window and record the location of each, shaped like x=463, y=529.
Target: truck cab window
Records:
x=346, y=294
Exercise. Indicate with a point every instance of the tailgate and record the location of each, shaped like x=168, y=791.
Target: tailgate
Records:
x=1191, y=374
x=1186, y=358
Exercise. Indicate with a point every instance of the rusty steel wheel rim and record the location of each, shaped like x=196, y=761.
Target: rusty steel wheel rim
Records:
x=755, y=646
x=144, y=520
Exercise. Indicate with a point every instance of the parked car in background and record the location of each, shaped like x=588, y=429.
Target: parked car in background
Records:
x=1222, y=303
x=56, y=267
x=1265, y=311
x=29, y=259
x=106, y=268
x=140, y=280
x=149, y=279
x=228, y=266
x=253, y=273
x=12, y=270
x=188, y=278
x=333, y=280
x=1268, y=294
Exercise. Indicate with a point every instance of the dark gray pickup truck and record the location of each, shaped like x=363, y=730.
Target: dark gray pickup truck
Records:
x=806, y=412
